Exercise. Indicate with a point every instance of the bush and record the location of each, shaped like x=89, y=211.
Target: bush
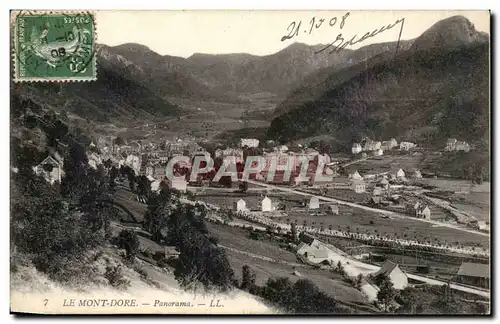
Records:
x=128, y=240
x=115, y=278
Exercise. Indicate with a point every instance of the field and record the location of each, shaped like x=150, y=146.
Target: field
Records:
x=390, y=161
x=283, y=265
x=360, y=220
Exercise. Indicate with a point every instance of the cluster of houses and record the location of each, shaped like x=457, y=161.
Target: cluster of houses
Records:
x=268, y=205
x=453, y=145
x=377, y=148
x=419, y=210
x=359, y=183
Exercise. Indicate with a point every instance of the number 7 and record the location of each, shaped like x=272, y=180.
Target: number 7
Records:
x=45, y=302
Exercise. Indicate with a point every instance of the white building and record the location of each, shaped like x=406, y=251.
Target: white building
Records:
x=372, y=145
x=453, y=145
x=314, y=203
x=384, y=183
x=94, y=160
x=377, y=191
x=333, y=209
x=378, y=152
x=417, y=175
x=400, y=174
x=249, y=142
x=424, y=212
x=356, y=148
x=355, y=176
x=406, y=146
x=359, y=186
x=155, y=185
x=395, y=274
x=178, y=184
x=240, y=206
x=50, y=169
x=267, y=204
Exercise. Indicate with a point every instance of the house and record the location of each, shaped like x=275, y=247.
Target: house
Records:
x=355, y=176
x=50, y=168
x=178, y=184
x=160, y=172
x=249, y=142
x=356, y=148
x=314, y=203
x=359, y=186
x=283, y=148
x=171, y=252
x=240, y=206
x=423, y=212
x=134, y=162
x=378, y=152
x=386, y=145
x=384, y=183
x=377, y=191
x=406, y=146
x=475, y=274
x=394, y=273
x=333, y=209
x=417, y=175
x=313, y=250
x=483, y=226
x=450, y=144
x=267, y=204
x=400, y=174
x=156, y=185
x=394, y=143
x=372, y=145
x=462, y=146
x=94, y=160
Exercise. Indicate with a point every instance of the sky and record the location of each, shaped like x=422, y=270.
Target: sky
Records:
x=182, y=33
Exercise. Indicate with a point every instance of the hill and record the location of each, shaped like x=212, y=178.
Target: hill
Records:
x=165, y=75
x=353, y=63
x=426, y=94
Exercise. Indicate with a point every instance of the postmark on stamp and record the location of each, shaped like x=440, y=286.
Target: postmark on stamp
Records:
x=52, y=46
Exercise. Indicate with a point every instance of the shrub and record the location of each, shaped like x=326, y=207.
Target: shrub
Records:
x=115, y=278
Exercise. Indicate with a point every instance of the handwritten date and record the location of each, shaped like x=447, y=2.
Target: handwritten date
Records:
x=340, y=41
x=294, y=27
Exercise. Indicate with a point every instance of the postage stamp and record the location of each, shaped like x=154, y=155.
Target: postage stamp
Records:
x=54, y=46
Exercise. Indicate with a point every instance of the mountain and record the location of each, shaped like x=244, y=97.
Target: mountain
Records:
x=114, y=95
x=426, y=93
x=450, y=33
x=168, y=76
x=276, y=73
x=351, y=64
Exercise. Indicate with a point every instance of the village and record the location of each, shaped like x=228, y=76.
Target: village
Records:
x=395, y=209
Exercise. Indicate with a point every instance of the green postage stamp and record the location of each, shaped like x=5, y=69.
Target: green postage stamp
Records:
x=54, y=46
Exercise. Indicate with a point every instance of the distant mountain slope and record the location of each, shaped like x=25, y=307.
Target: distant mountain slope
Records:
x=425, y=94
x=354, y=62
x=112, y=96
x=165, y=75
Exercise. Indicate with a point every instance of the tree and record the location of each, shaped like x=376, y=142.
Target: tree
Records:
x=119, y=141
x=143, y=186
x=128, y=240
x=248, y=280
x=243, y=186
x=386, y=293
x=293, y=230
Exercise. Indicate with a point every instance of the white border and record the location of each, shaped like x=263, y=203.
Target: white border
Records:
x=203, y=4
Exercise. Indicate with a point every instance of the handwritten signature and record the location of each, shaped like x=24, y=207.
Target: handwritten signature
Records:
x=340, y=42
